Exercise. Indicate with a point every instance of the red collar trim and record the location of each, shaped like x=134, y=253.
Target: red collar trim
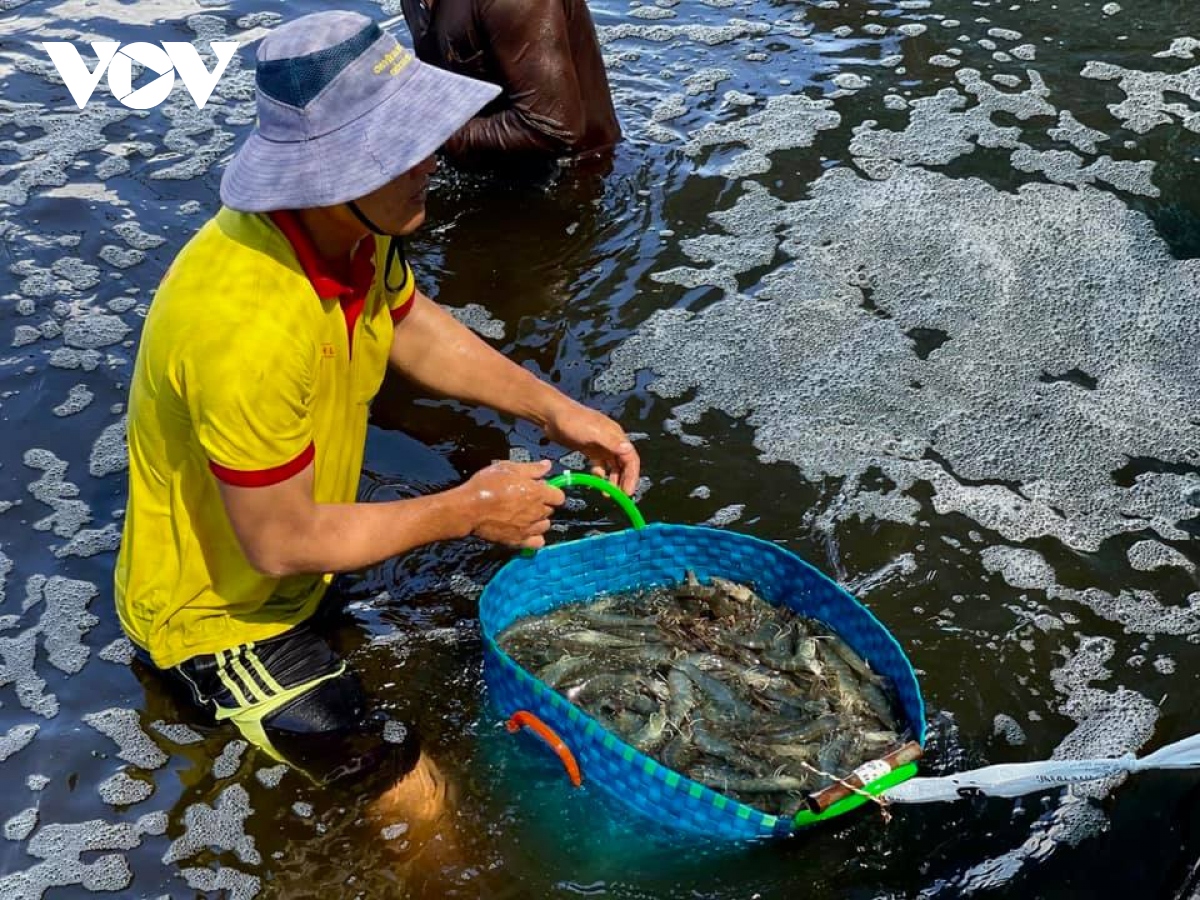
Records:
x=327, y=285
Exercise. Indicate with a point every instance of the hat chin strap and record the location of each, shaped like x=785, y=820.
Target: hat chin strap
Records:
x=395, y=248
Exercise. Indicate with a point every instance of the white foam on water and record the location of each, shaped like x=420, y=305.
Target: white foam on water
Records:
x=711, y=35
x=65, y=621
x=1164, y=665
x=176, y=732
x=479, y=320
x=61, y=847
x=6, y=567
x=120, y=651
x=24, y=335
x=91, y=541
x=16, y=739
x=1181, y=48
x=1075, y=133
x=221, y=825
x=1065, y=167
x=942, y=127
x=120, y=789
x=1146, y=106
x=1140, y=611
x=18, y=655
x=230, y=759
x=1024, y=569
x=1147, y=556
x=122, y=727
x=56, y=492
x=1108, y=724
x=20, y=826
x=272, y=776
x=726, y=515
x=110, y=453
x=1005, y=726
x=705, y=81
x=788, y=121
x=235, y=884
x=652, y=12
x=79, y=398
x=1024, y=287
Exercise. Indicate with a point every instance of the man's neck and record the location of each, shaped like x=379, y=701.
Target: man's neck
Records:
x=334, y=234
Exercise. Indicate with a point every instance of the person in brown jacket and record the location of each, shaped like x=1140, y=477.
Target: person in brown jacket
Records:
x=554, y=101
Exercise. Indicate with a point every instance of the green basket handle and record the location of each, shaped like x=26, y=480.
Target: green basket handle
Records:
x=582, y=479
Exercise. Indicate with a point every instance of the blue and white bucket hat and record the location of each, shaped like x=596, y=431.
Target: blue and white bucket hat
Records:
x=343, y=108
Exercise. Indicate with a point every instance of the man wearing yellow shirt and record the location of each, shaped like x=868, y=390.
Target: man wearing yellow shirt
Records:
x=264, y=346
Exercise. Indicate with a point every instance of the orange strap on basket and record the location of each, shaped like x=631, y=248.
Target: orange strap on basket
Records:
x=546, y=733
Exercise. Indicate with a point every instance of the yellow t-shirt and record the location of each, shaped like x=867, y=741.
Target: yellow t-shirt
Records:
x=254, y=362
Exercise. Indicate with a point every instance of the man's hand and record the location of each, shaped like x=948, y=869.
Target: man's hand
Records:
x=604, y=442
x=512, y=503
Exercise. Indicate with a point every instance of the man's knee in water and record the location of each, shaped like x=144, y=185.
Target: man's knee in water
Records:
x=327, y=733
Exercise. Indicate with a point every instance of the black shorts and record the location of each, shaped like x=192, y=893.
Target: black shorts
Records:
x=296, y=699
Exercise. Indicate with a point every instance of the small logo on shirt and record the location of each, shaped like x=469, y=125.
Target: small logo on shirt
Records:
x=327, y=351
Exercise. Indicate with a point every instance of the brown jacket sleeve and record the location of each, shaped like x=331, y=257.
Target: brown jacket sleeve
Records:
x=531, y=48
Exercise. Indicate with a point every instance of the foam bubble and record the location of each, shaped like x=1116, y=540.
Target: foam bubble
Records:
x=79, y=398
x=272, y=776
x=788, y=121
x=110, y=454
x=1146, y=556
x=122, y=727
x=234, y=884
x=1065, y=167
x=16, y=739
x=1025, y=569
x=1146, y=106
x=1010, y=729
x=705, y=81
x=221, y=825
x=61, y=847
x=991, y=265
x=122, y=790
x=479, y=320
x=120, y=651
x=65, y=621
x=230, y=759
x=18, y=654
x=726, y=515
x=55, y=491
x=176, y=732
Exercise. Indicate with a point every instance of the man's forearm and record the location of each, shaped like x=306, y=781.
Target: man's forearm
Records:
x=342, y=537
x=439, y=353
x=506, y=132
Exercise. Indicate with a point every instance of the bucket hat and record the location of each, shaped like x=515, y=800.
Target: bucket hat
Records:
x=343, y=108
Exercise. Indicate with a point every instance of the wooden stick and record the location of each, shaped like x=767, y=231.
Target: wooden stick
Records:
x=819, y=801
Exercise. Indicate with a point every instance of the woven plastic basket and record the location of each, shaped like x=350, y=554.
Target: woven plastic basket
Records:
x=647, y=556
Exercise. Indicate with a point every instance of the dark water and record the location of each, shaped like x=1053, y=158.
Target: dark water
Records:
x=933, y=332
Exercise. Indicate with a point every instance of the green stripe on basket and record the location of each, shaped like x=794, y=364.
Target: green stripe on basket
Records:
x=649, y=766
x=721, y=801
x=743, y=811
x=673, y=778
x=628, y=754
x=695, y=790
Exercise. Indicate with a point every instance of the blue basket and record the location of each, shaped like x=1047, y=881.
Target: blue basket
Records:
x=652, y=555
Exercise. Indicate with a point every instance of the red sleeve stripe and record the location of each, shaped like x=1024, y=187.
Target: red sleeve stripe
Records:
x=264, y=477
x=402, y=310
